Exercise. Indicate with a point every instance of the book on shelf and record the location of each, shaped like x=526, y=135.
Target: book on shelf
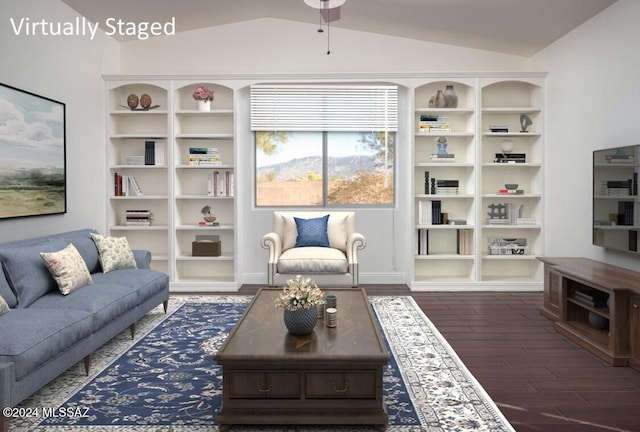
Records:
x=136, y=217
x=204, y=156
x=205, y=223
x=625, y=212
x=125, y=185
x=422, y=242
x=505, y=191
x=507, y=246
x=498, y=128
x=436, y=157
x=615, y=158
x=149, y=152
x=510, y=158
x=221, y=184
x=464, y=239
x=627, y=187
x=433, y=123
x=134, y=160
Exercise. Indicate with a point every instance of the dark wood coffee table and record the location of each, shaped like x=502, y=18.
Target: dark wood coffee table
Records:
x=332, y=376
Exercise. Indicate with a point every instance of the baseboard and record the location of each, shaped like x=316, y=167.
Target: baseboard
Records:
x=365, y=278
x=477, y=286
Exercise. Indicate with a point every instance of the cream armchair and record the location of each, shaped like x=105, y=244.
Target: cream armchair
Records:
x=330, y=259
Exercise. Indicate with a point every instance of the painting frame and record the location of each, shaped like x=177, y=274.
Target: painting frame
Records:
x=33, y=154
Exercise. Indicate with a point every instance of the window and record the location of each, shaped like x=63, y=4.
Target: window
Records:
x=324, y=146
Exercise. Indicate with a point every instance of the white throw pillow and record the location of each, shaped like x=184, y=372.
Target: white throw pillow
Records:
x=115, y=253
x=67, y=268
x=4, y=307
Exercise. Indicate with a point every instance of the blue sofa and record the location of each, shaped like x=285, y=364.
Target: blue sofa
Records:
x=45, y=332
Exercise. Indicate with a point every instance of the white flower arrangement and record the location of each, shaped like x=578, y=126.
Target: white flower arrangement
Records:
x=299, y=293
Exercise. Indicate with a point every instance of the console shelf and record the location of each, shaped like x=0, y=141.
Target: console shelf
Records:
x=595, y=305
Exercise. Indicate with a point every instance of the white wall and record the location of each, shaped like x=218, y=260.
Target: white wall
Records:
x=272, y=49
x=593, y=91
x=280, y=46
x=67, y=69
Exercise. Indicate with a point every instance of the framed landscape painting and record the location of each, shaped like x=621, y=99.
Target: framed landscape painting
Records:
x=32, y=154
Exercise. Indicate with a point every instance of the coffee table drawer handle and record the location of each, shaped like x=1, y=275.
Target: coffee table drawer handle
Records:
x=263, y=390
x=342, y=390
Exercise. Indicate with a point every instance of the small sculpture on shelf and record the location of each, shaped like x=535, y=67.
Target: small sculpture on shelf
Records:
x=525, y=122
x=144, y=100
x=209, y=218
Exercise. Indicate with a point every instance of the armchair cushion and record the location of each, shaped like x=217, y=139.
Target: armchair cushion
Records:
x=312, y=232
x=312, y=259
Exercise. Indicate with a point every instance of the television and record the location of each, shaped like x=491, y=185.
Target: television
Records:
x=616, y=215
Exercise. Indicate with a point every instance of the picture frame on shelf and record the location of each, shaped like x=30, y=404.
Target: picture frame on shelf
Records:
x=32, y=154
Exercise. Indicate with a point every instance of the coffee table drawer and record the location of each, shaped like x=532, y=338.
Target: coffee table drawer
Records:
x=338, y=385
x=260, y=385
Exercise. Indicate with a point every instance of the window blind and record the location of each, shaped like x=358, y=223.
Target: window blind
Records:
x=324, y=107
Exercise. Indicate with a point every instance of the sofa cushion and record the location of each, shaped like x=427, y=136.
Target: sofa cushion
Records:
x=5, y=290
x=4, y=307
x=147, y=283
x=87, y=248
x=313, y=259
x=312, y=232
x=26, y=271
x=115, y=252
x=33, y=336
x=104, y=302
x=68, y=268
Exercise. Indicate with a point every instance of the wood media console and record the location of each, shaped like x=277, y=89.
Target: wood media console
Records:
x=597, y=305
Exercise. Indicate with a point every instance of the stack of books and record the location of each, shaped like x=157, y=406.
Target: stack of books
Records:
x=617, y=187
x=447, y=187
x=433, y=123
x=504, y=246
x=436, y=157
x=622, y=158
x=204, y=156
x=594, y=299
x=138, y=217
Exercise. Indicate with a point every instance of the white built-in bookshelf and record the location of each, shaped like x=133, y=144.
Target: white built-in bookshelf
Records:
x=173, y=189
x=475, y=249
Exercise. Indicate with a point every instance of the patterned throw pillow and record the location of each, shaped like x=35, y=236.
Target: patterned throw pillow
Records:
x=115, y=253
x=4, y=307
x=68, y=269
x=312, y=232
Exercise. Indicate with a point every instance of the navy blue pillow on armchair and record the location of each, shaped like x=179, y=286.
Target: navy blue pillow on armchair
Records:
x=312, y=232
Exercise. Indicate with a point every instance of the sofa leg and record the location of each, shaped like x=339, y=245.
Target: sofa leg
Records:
x=132, y=329
x=87, y=364
x=166, y=305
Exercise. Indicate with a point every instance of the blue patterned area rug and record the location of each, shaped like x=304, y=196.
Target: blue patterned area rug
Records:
x=167, y=380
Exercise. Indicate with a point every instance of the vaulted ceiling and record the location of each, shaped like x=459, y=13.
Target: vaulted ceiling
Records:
x=521, y=27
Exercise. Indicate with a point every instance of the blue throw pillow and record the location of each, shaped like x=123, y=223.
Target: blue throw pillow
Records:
x=312, y=232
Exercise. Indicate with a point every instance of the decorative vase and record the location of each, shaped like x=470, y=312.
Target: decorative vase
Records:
x=598, y=322
x=302, y=321
x=440, y=102
x=450, y=97
x=204, y=105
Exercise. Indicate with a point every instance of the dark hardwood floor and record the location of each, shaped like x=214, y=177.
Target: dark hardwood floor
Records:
x=539, y=379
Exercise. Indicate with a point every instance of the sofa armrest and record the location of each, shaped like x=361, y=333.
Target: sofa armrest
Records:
x=143, y=258
x=355, y=242
x=272, y=242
